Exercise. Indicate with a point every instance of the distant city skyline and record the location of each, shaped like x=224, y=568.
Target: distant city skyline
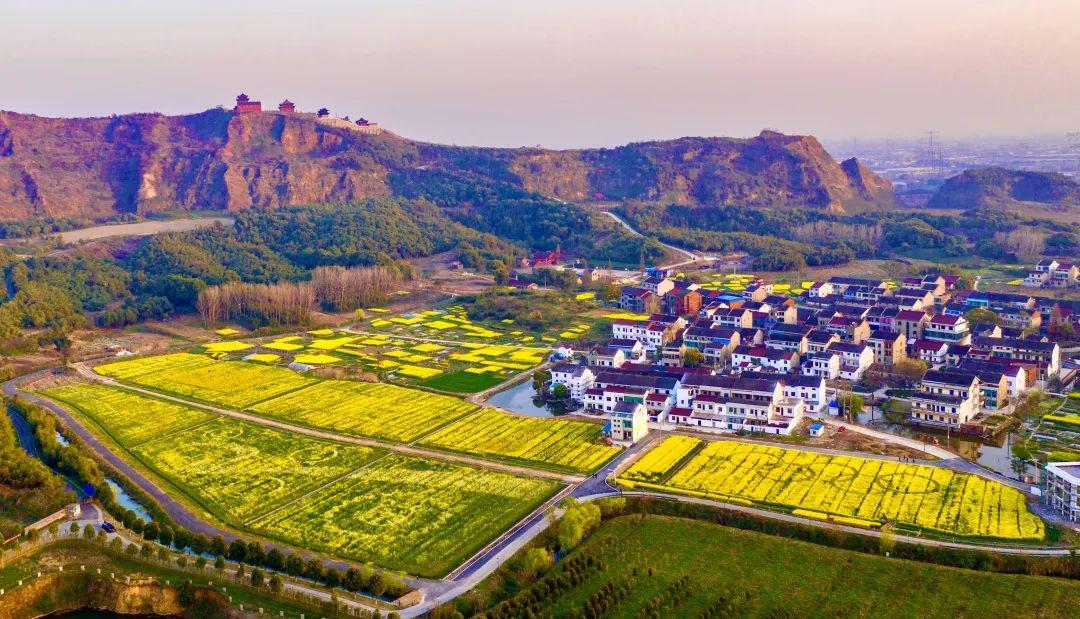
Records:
x=565, y=74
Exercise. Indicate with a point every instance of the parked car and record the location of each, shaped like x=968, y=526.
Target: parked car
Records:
x=108, y=527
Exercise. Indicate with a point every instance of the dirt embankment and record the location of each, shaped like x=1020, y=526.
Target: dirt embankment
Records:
x=60, y=592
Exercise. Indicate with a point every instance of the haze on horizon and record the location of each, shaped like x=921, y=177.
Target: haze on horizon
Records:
x=561, y=73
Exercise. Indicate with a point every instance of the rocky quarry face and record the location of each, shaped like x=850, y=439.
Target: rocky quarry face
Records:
x=220, y=160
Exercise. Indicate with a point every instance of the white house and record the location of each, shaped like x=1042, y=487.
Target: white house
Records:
x=629, y=422
x=1063, y=489
x=946, y=399
x=577, y=378
x=855, y=359
x=825, y=364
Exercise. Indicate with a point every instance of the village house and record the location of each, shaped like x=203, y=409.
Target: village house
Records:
x=639, y=300
x=818, y=341
x=855, y=359
x=577, y=378
x=753, y=357
x=824, y=364
x=1050, y=273
x=947, y=328
x=911, y=323
x=933, y=352
x=1046, y=355
x=1063, y=489
x=888, y=346
x=734, y=403
x=854, y=330
x=946, y=399
x=629, y=422
x=737, y=317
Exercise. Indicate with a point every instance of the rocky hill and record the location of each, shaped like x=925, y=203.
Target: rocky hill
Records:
x=1000, y=188
x=218, y=160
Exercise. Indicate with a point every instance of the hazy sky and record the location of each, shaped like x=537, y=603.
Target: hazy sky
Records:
x=563, y=73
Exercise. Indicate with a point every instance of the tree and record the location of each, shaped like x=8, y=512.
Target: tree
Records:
x=89, y=533
x=501, y=273
x=219, y=564
x=540, y=379
x=131, y=549
x=536, y=561
x=151, y=532
x=560, y=392
x=982, y=316
x=910, y=370
x=163, y=554
x=275, y=560
x=238, y=550
x=218, y=546
x=294, y=565
x=199, y=543
x=146, y=551
x=166, y=535
x=256, y=577
x=854, y=406
x=181, y=560
x=200, y=562
x=692, y=357
x=887, y=541
x=276, y=584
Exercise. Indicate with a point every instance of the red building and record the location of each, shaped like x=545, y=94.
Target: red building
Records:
x=547, y=258
x=244, y=104
x=286, y=106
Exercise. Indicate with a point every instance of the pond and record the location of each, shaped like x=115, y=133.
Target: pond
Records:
x=994, y=454
x=521, y=399
x=123, y=499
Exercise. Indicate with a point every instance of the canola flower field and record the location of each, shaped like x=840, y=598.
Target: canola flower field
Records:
x=366, y=409
x=558, y=444
x=862, y=491
x=418, y=515
x=130, y=419
x=229, y=383
x=399, y=512
x=661, y=460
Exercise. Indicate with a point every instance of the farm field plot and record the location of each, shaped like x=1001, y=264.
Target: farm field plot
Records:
x=366, y=409
x=564, y=445
x=129, y=418
x=229, y=383
x=418, y=515
x=239, y=470
x=874, y=491
x=661, y=460
x=766, y=576
x=464, y=382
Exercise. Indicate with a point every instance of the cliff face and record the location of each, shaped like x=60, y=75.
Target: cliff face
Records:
x=1003, y=188
x=217, y=160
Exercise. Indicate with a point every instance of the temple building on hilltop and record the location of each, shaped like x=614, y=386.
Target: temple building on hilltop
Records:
x=245, y=104
x=286, y=106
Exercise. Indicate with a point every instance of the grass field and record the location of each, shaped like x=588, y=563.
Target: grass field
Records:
x=366, y=409
x=229, y=383
x=858, y=490
x=749, y=574
x=464, y=382
x=558, y=444
x=420, y=516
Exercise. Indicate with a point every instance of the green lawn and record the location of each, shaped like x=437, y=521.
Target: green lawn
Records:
x=775, y=577
x=463, y=382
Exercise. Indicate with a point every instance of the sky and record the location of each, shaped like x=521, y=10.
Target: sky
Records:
x=563, y=74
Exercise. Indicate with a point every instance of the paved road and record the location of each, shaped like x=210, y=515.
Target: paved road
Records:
x=690, y=256
x=29, y=444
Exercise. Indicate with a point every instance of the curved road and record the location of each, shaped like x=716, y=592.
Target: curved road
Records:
x=690, y=256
